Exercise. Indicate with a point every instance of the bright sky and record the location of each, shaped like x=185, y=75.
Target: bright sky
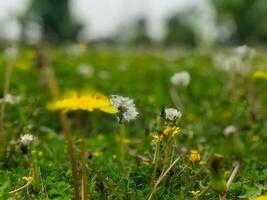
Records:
x=101, y=17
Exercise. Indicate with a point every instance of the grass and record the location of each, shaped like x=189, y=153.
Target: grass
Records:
x=213, y=100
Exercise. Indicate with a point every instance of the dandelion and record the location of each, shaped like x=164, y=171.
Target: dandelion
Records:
x=231, y=129
x=27, y=178
x=171, y=130
x=172, y=114
x=157, y=138
x=85, y=70
x=180, y=79
x=194, y=156
x=11, y=99
x=125, y=106
x=26, y=139
x=255, y=138
x=104, y=74
x=97, y=153
x=259, y=75
x=88, y=102
x=245, y=52
x=262, y=197
x=195, y=193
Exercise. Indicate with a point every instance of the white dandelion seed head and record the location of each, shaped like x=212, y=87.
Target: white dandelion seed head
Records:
x=11, y=99
x=85, y=70
x=11, y=53
x=126, y=107
x=180, y=79
x=172, y=114
x=245, y=52
x=26, y=139
x=231, y=129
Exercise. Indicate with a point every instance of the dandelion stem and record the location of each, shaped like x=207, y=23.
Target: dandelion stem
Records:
x=122, y=145
x=176, y=99
x=84, y=170
x=71, y=152
x=155, y=161
x=8, y=75
x=53, y=87
x=161, y=178
x=13, y=192
x=231, y=179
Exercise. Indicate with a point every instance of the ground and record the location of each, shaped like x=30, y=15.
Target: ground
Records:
x=214, y=99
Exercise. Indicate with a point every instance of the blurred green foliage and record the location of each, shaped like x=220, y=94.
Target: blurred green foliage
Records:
x=55, y=19
x=249, y=18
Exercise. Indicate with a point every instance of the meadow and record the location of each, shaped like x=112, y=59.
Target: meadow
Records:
x=212, y=144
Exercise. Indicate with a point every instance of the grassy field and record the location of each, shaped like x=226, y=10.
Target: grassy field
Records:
x=122, y=161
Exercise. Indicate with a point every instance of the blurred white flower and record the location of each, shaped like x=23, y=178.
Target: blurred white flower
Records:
x=240, y=60
x=11, y=99
x=125, y=106
x=172, y=114
x=11, y=53
x=103, y=74
x=180, y=79
x=231, y=129
x=26, y=139
x=245, y=52
x=76, y=50
x=85, y=70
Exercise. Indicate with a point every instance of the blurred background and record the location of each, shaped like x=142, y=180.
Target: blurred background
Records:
x=186, y=23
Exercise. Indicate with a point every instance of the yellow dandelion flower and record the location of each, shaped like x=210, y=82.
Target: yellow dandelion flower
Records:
x=40, y=153
x=171, y=130
x=88, y=102
x=259, y=75
x=126, y=141
x=263, y=197
x=97, y=153
x=255, y=138
x=195, y=193
x=217, y=155
x=194, y=156
x=157, y=138
x=27, y=178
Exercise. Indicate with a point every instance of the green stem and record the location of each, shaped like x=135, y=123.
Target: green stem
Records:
x=8, y=75
x=84, y=170
x=71, y=153
x=122, y=146
x=156, y=158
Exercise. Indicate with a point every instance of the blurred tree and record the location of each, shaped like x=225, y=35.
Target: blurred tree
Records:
x=55, y=19
x=179, y=30
x=140, y=33
x=248, y=16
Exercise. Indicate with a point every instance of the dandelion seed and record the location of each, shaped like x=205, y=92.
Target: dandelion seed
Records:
x=125, y=106
x=231, y=129
x=26, y=139
x=180, y=79
x=194, y=156
x=157, y=138
x=88, y=102
x=172, y=114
